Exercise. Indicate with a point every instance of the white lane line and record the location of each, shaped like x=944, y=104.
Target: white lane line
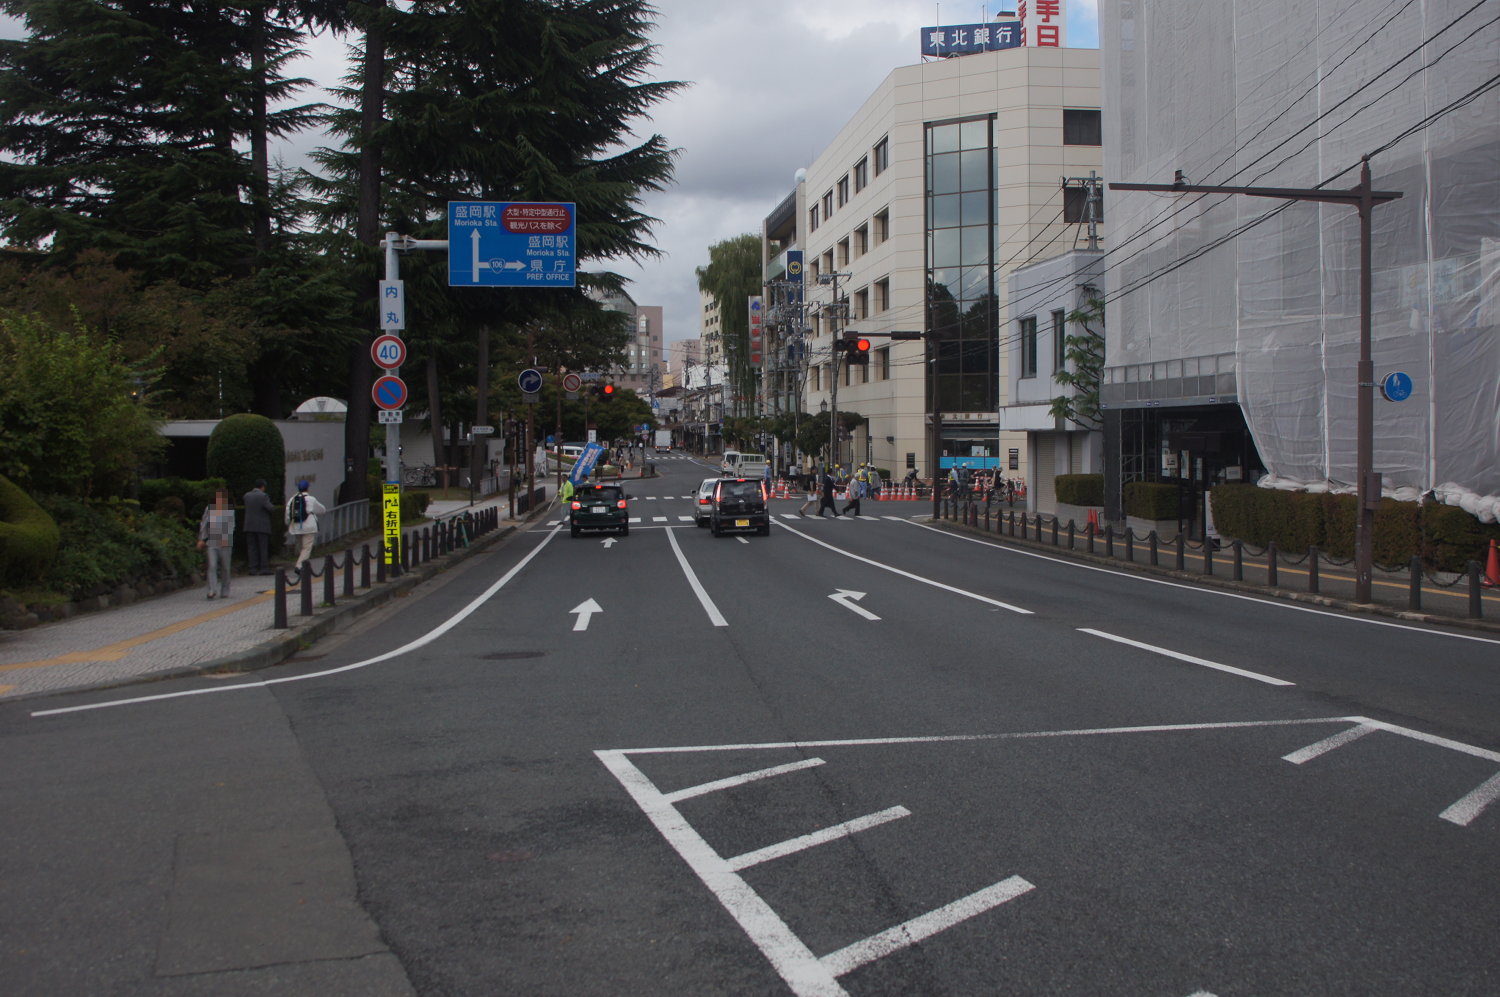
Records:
x=739, y=780
x=1474, y=804
x=907, y=574
x=820, y=837
x=742, y=540
x=658, y=519
x=1303, y=755
x=714, y=616
x=1220, y=593
x=421, y=641
x=851, y=957
x=1269, y=680
x=802, y=970
x=684, y=519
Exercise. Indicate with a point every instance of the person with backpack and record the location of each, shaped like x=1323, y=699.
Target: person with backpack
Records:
x=302, y=512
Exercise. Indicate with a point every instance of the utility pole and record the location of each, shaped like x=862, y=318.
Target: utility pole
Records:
x=1091, y=212
x=1368, y=483
x=833, y=386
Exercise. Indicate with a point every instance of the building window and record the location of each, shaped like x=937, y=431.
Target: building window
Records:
x=828, y=262
x=843, y=190
x=882, y=156
x=861, y=174
x=862, y=303
x=1059, y=340
x=1076, y=205
x=817, y=378
x=1082, y=127
x=861, y=241
x=828, y=204
x=812, y=271
x=883, y=295
x=812, y=218
x=883, y=362
x=882, y=226
x=1028, y=346
x=843, y=252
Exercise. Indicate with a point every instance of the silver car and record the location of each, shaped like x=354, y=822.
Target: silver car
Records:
x=703, y=502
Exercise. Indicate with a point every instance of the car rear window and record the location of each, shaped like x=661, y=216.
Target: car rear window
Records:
x=605, y=493
x=739, y=490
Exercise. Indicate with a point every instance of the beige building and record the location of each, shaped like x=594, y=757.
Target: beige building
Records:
x=947, y=178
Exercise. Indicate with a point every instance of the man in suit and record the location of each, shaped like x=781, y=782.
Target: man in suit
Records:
x=258, y=529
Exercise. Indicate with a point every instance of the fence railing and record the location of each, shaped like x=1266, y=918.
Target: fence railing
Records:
x=1214, y=556
x=362, y=568
x=342, y=520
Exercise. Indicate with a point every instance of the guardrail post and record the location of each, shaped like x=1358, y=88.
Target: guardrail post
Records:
x=1181, y=551
x=348, y=572
x=1072, y=532
x=1476, y=607
x=1055, y=527
x=1109, y=541
x=1312, y=569
x=1239, y=560
x=1414, y=594
x=1271, y=563
x=1089, y=530
x=1155, y=554
x=306, y=579
x=328, y=580
x=278, y=611
x=1208, y=555
x=364, y=566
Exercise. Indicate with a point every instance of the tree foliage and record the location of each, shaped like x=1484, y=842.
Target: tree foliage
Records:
x=732, y=277
x=78, y=418
x=1085, y=368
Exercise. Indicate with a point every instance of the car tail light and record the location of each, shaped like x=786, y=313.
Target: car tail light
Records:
x=621, y=503
x=578, y=505
x=763, y=496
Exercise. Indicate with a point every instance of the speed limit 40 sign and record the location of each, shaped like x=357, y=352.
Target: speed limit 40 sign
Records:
x=388, y=352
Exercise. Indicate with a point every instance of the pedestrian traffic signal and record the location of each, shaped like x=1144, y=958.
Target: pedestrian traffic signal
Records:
x=856, y=351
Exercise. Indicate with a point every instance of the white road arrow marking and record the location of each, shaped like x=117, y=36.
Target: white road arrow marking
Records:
x=609, y=542
x=846, y=598
x=585, y=610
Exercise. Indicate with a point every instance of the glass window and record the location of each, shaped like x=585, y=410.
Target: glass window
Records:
x=883, y=362
x=882, y=227
x=861, y=240
x=1059, y=340
x=861, y=174
x=862, y=303
x=812, y=218
x=828, y=204
x=1027, y=334
x=944, y=211
x=1082, y=127
x=942, y=174
x=942, y=138
x=974, y=134
x=974, y=170
x=976, y=208
x=882, y=156
x=843, y=190
x=882, y=295
x=945, y=248
x=843, y=252
x=975, y=245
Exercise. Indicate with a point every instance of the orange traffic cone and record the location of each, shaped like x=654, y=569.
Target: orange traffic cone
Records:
x=1492, y=570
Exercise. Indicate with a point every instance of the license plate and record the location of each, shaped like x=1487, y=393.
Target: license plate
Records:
x=601, y=508
x=742, y=522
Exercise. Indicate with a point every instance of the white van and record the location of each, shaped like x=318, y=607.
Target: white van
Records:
x=743, y=465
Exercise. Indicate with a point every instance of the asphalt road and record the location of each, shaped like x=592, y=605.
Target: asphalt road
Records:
x=863, y=757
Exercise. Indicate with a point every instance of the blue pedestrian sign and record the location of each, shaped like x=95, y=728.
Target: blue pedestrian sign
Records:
x=530, y=380
x=512, y=244
x=1396, y=386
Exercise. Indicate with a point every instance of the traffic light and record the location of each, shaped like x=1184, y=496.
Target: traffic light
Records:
x=856, y=351
x=604, y=391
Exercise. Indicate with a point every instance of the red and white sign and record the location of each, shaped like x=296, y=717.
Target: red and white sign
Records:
x=389, y=392
x=388, y=352
x=572, y=382
x=1042, y=23
x=541, y=219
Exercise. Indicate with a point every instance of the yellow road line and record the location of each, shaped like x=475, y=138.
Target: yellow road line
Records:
x=118, y=650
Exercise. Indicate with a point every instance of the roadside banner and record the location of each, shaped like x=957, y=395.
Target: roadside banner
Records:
x=391, y=509
x=584, y=465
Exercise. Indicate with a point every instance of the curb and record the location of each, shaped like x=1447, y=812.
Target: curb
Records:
x=1228, y=584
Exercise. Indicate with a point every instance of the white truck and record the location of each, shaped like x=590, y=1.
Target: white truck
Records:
x=663, y=441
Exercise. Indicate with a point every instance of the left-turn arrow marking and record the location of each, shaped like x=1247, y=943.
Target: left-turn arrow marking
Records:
x=585, y=609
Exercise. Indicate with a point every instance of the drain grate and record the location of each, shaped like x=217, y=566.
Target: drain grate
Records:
x=511, y=655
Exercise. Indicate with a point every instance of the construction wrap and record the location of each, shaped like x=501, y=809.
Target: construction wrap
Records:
x=1291, y=94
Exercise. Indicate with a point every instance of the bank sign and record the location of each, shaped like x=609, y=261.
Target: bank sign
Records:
x=968, y=39
x=512, y=244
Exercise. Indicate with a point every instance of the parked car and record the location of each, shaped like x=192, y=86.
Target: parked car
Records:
x=703, y=502
x=740, y=506
x=599, y=507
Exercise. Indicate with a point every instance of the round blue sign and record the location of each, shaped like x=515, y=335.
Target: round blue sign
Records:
x=530, y=380
x=1396, y=386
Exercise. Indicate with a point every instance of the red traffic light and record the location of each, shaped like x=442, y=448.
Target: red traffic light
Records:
x=862, y=345
x=609, y=389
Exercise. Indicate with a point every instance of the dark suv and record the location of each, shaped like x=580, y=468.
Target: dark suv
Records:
x=740, y=506
x=599, y=507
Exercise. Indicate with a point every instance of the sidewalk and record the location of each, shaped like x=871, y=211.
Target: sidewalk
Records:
x=186, y=633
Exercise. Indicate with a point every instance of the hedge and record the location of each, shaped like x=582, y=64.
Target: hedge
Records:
x=243, y=448
x=112, y=543
x=1151, y=500
x=28, y=537
x=1080, y=489
x=1444, y=537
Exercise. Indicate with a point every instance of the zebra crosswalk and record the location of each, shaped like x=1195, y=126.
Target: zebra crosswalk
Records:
x=656, y=520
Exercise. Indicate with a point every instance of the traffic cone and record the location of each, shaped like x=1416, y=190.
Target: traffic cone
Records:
x=1492, y=570
x=1093, y=521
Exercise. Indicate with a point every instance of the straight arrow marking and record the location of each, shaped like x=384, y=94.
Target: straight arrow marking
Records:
x=585, y=609
x=846, y=598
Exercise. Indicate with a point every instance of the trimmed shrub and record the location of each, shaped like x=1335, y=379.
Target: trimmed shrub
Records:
x=28, y=537
x=112, y=544
x=245, y=447
x=179, y=496
x=1080, y=489
x=1152, y=500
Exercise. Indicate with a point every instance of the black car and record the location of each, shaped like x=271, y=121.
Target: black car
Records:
x=739, y=507
x=599, y=507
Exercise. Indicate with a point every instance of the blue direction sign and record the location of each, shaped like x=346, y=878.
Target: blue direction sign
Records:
x=389, y=392
x=512, y=244
x=1396, y=386
x=530, y=380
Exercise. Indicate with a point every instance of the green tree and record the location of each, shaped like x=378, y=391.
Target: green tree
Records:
x=732, y=277
x=1084, y=369
x=78, y=418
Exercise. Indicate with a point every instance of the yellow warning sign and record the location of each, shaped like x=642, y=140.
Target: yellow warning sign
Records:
x=392, y=522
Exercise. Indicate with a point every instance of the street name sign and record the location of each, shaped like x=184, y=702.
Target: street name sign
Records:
x=392, y=305
x=512, y=244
